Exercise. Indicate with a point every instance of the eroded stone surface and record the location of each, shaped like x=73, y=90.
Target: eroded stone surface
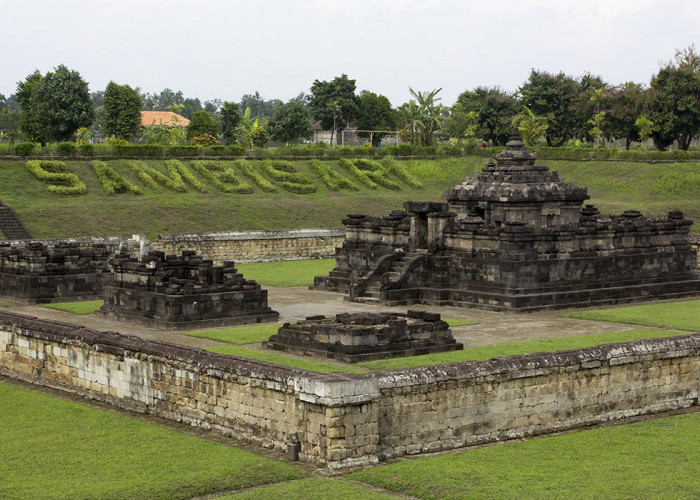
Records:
x=513, y=237
x=361, y=336
x=185, y=291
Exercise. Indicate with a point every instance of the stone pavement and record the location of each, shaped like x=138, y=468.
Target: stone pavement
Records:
x=295, y=303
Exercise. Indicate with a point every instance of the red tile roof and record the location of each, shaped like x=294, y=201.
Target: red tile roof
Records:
x=167, y=118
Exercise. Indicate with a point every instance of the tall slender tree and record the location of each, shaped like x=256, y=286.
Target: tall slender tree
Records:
x=122, y=118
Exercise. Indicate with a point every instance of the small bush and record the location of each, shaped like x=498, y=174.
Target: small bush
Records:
x=359, y=174
x=221, y=176
x=404, y=149
x=25, y=148
x=87, y=149
x=111, y=181
x=66, y=149
x=186, y=151
x=179, y=172
x=55, y=172
x=136, y=150
x=284, y=172
x=249, y=171
x=236, y=150
x=217, y=150
x=205, y=140
x=332, y=179
x=369, y=172
x=400, y=171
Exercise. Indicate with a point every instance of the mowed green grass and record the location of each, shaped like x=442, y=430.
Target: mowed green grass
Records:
x=684, y=315
x=651, y=459
x=613, y=186
x=513, y=349
x=315, y=488
x=287, y=272
x=54, y=448
x=80, y=307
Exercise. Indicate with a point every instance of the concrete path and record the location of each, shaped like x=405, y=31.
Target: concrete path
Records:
x=295, y=303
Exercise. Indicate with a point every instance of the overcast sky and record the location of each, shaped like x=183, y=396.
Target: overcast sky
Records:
x=226, y=48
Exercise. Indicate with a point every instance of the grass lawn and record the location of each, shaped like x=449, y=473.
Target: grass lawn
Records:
x=55, y=448
x=242, y=335
x=287, y=272
x=311, y=489
x=500, y=350
x=277, y=358
x=683, y=315
x=83, y=307
x=652, y=459
x=239, y=334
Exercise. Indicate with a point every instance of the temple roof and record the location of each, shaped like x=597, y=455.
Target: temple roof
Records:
x=514, y=177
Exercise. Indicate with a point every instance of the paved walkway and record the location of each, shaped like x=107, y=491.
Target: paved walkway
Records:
x=295, y=303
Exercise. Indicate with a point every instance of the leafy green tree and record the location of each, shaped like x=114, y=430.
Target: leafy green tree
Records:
x=552, y=96
x=532, y=127
x=61, y=104
x=623, y=106
x=290, y=122
x=230, y=117
x=495, y=109
x=122, y=106
x=375, y=113
x=202, y=123
x=29, y=121
x=673, y=103
x=259, y=107
x=334, y=103
x=163, y=100
x=190, y=107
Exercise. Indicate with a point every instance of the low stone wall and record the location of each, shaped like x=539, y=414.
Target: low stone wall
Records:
x=341, y=420
x=255, y=246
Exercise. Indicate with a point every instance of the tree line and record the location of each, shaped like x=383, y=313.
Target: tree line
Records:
x=555, y=109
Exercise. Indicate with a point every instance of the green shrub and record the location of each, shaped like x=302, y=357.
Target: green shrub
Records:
x=205, y=140
x=236, y=150
x=283, y=171
x=216, y=150
x=67, y=149
x=25, y=148
x=332, y=179
x=369, y=172
x=111, y=181
x=359, y=174
x=87, y=149
x=178, y=170
x=155, y=179
x=404, y=149
x=221, y=176
x=55, y=172
x=186, y=151
x=400, y=171
x=249, y=171
x=6, y=149
x=136, y=150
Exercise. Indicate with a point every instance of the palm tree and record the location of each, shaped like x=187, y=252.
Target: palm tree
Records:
x=532, y=127
x=423, y=115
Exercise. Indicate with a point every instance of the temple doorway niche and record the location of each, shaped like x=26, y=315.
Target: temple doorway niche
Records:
x=419, y=211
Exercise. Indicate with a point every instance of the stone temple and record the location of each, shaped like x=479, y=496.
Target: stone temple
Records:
x=514, y=237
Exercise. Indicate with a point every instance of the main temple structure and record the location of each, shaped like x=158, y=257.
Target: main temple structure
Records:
x=514, y=237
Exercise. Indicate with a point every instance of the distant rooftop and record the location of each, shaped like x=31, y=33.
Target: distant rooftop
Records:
x=167, y=118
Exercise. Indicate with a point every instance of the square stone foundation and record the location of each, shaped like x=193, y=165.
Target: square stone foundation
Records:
x=355, y=337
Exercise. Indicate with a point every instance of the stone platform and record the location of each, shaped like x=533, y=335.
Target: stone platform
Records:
x=355, y=337
x=184, y=292
x=38, y=272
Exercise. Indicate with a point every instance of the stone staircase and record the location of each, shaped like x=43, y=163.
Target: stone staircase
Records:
x=11, y=226
x=372, y=293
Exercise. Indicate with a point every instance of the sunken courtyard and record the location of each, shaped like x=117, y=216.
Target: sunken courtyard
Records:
x=514, y=238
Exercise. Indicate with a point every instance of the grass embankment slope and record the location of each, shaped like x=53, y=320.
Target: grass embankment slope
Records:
x=614, y=187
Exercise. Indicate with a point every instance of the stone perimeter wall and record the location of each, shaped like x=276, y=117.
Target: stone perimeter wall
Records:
x=255, y=246
x=340, y=420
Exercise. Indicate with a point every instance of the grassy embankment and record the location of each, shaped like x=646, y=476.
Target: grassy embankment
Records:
x=613, y=186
